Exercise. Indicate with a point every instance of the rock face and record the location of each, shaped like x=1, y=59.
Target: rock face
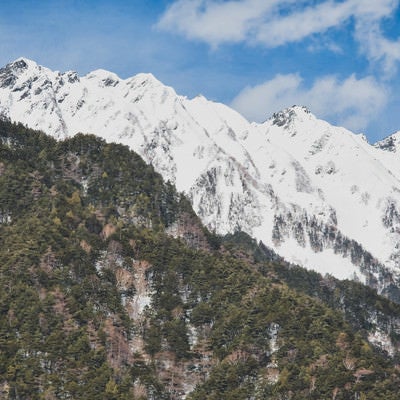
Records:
x=319, y=195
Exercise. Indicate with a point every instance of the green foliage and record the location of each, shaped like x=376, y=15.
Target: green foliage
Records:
x=79, y=218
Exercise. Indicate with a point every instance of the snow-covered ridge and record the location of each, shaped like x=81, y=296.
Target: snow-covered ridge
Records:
x=390, y=143
x=319, y=195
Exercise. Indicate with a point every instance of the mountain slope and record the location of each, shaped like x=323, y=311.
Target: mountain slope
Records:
x=110, y=288
x=318, y=195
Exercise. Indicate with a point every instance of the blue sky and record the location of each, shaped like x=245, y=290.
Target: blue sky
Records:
x=338, y=57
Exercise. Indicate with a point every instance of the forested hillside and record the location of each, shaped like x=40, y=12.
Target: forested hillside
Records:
x=110, y=288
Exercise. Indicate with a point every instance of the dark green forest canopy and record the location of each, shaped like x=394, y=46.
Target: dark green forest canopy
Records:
x=87, y=230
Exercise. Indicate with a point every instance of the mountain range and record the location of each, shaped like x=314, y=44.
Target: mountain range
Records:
x=318, y=195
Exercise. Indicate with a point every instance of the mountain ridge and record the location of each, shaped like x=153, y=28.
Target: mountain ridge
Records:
x=283, y=181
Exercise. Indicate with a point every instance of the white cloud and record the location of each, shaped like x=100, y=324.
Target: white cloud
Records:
x=377, y=47
x=216, y=22
x=353, y=102
x=259, y=102
x=272, y=23
x=328, y=44
x=303, y=23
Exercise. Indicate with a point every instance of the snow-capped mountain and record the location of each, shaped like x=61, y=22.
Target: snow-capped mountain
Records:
x=319, y=195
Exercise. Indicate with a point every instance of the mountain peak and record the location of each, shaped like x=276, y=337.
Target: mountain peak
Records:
x=9, y=73
x=145, y=79
x=21, y=65
x=23, y=62
x=22, y=69
x=299, y=110
x=106, y=78
x=287, y=116
x=390, y=143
